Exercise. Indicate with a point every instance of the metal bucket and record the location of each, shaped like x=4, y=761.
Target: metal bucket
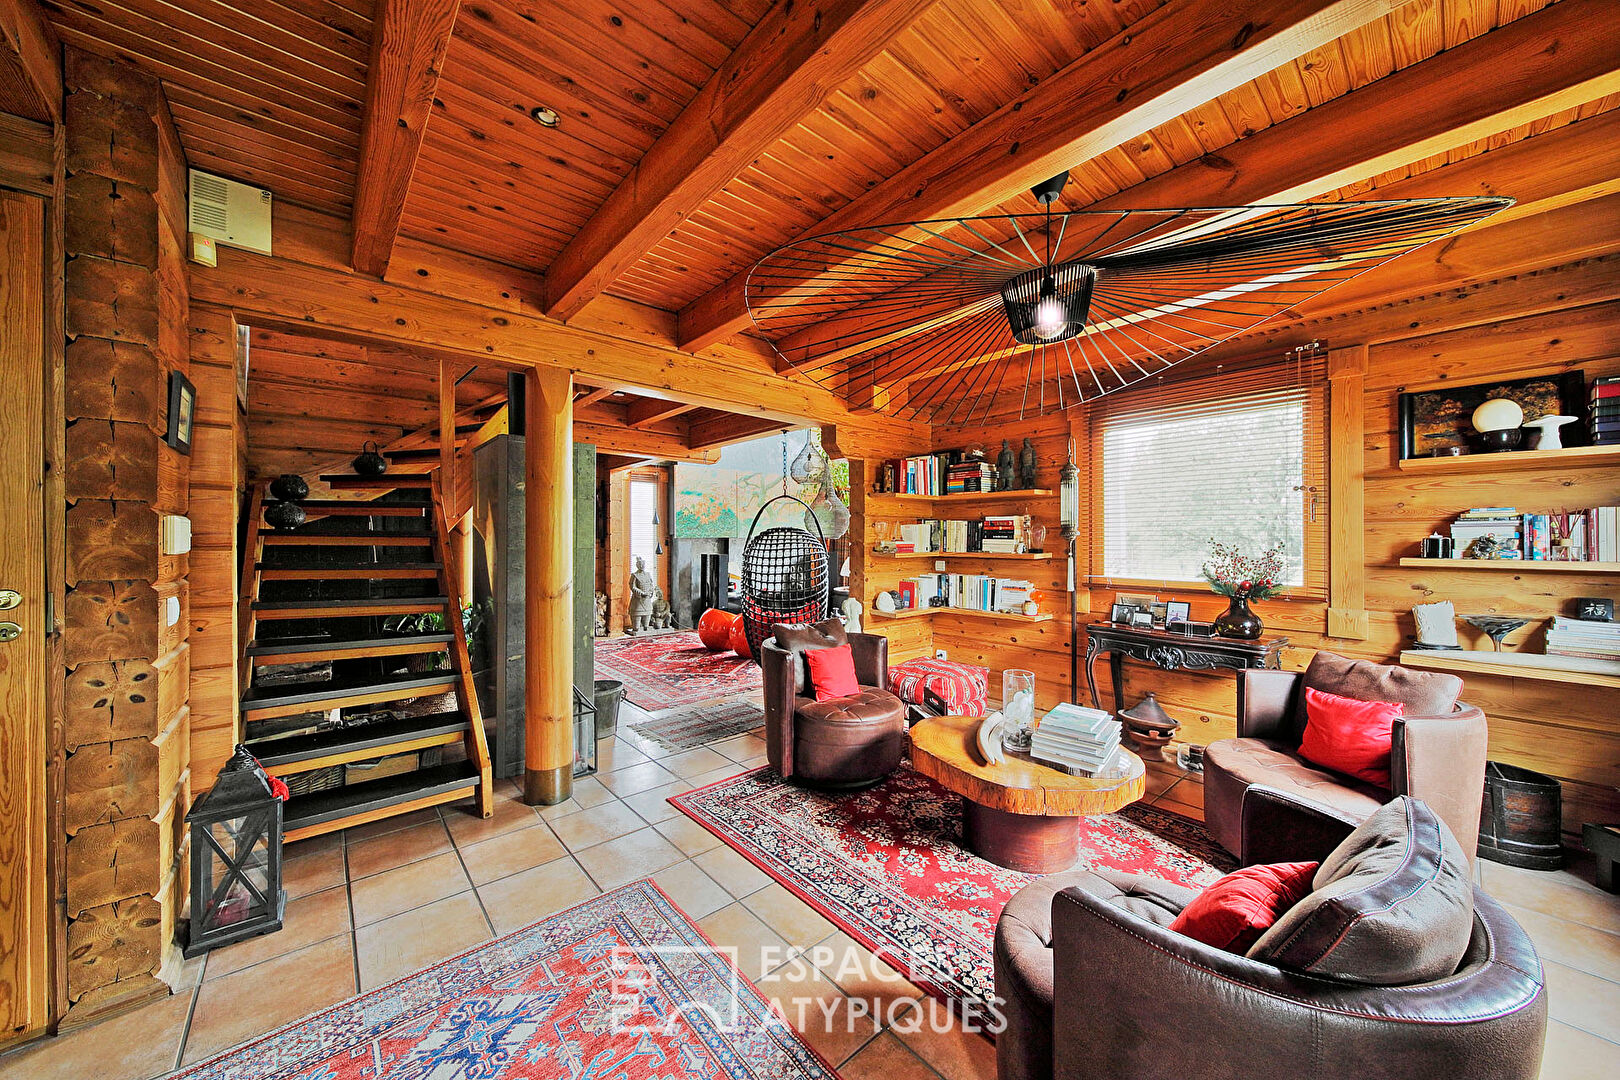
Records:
x=609, y=692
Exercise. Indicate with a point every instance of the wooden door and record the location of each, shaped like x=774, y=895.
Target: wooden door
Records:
x=24, y=915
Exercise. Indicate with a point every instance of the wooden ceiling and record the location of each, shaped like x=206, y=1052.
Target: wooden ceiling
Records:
x=694, y=137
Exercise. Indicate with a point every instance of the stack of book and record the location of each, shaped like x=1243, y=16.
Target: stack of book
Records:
x=1006, y=535
x=1009, y=534
x=971, y=592
x=1603, y=421
x=1590, y=640
x=970, y=476
x=1077, y=739
x=1501, y=523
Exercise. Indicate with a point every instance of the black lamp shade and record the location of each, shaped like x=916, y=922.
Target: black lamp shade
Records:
x=235, y=858
x=1045, y=306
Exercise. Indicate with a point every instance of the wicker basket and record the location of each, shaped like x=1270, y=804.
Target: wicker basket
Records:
x=322, y=779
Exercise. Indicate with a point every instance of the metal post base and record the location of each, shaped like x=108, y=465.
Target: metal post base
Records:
x=548, y=787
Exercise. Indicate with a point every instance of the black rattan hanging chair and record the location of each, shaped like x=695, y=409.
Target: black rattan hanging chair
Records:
x=784, y=577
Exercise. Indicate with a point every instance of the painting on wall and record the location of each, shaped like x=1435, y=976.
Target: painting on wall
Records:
x=1436, y=419
x=754, y=490
x=706, y=502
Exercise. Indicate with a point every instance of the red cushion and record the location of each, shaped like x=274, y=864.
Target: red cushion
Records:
x=1233, y=912
x=832, y=672
x=961, y=686
x=1349, y=736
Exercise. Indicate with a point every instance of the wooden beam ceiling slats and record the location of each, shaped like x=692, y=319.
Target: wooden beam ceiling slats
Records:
x=37, y=55
x=1183, y=52
x=761, y=90
x=408, y=45
x=1420, y=109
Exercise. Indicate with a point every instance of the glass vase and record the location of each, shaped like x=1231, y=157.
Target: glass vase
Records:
x=1018, y=707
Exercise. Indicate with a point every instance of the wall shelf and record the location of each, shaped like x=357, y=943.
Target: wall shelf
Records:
x=1027, y=556
x=1531, y=565
x=1514, y=460
x=967, y=496
x=923, y=612
x=1437, y=660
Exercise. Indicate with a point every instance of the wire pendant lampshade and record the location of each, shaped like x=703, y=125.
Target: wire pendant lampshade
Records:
x=784, y=576
x=940, y=320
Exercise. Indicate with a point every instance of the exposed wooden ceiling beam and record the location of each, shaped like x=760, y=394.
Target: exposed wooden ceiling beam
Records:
x=648, y=411
x=727, y=428
x=408, y=42
x=1565, y=57
x=601, y=393
x=662, y=445
x=793, y=58
x=1182, y=55
x=26, y=34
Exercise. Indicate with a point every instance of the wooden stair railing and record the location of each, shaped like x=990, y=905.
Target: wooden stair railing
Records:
x=320, y=575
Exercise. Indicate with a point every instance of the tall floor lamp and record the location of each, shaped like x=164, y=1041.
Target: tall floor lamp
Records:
x=1069, y=515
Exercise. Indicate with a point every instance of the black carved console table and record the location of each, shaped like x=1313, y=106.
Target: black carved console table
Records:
x=1173, y=652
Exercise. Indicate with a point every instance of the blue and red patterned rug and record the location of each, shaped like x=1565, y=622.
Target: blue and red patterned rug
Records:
x=621, y=986
x=887, y=865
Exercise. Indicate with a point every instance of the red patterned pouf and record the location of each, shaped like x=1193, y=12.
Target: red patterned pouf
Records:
x=961, y=686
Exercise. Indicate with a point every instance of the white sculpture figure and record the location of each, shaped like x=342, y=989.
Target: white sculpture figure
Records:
x=1436, y=624
x=852, y=615
x=642, y=587
x=1547, y=427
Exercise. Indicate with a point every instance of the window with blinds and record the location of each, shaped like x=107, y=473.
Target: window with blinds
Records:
x=643, y=529
x=1239, y=457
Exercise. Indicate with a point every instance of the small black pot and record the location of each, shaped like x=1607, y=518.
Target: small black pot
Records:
x=289, y=487
x=1492, y=442
x=370, y=463
x=284, y=515
x=1237, y=621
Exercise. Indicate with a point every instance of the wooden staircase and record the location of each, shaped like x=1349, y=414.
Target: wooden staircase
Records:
x=329, y=597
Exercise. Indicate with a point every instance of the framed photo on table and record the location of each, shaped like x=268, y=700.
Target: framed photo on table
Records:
x=1177, y=611
x=1120, y=613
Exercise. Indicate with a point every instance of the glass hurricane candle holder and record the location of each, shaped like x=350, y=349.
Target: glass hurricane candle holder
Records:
x=1018, y=706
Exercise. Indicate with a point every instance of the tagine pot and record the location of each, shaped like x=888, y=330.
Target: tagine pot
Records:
x=370, y=463
x=284, y=515
x=1238, y=621
x=289, y=487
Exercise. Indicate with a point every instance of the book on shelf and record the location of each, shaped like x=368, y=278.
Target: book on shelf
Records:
x=975, y=592
x=1010, y=535
x=1593, y=640
x=1587, y=535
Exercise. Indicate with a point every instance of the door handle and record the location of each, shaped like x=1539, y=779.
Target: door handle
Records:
x=9, y=598
x=9, y=631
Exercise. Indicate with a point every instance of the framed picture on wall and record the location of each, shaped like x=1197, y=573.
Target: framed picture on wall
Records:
x=182, y=412
x=1438, y=420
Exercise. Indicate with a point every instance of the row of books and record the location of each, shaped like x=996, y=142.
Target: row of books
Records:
x=1077, y=739
x=1000, y=534
x=1591, y=535
x=927, y=474
x=970, y=476
x=974, y=592
x=1603, y=416
x=1591, y=640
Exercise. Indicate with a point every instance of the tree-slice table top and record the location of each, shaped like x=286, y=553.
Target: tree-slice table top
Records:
x=946, y=749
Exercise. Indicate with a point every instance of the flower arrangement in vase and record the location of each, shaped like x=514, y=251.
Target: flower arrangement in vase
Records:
x=1242, y=578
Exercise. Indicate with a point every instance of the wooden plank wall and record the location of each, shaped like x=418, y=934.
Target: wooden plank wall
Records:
x=1558, y=319
x=126, y=715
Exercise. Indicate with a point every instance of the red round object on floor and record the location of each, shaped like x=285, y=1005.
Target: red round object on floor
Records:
x=739, y=640
x=714, y=629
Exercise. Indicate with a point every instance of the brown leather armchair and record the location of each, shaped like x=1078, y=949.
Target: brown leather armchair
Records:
x=1438, y=754
x=841, y=743
x=1094, y=984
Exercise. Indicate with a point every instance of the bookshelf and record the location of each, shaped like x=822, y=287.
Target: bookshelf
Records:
x=1516, y=565
x=1025, y=556
x=1515, y=460
x=925, y=612
x=967, y=496
x=1483, y=664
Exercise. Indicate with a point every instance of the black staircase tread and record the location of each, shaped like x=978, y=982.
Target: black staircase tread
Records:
x=387, y=480
x=349, y=530
x=392, y=504
x=390, y=565
x=368, y=601
x=301, y=644
x=273, y=753
x=416, y=453
x=260, y=697
x=317, y=808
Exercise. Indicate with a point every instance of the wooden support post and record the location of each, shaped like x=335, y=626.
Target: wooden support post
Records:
x=462, y=540
x=548, y=498
x=447, y=436
x=1347, y=539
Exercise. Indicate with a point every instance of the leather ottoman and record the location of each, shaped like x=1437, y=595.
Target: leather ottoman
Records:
x=849, y=741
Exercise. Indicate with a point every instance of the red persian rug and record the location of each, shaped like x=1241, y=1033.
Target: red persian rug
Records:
x=673, y=669
x=621, y=986
x=887, y=865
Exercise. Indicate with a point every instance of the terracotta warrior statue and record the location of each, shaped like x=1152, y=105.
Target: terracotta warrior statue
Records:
x=662, y=617
x=1028, y=462
x=642, y=588
x=1005, y=466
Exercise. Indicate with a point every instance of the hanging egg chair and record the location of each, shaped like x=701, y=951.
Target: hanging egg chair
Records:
x=784, y=576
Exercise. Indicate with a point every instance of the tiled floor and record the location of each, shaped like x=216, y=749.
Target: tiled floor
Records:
x=377, y=902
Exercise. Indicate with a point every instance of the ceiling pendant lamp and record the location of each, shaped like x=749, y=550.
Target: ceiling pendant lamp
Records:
x=956, y=320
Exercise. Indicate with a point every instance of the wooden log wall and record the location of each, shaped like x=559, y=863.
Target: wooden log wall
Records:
x=1558, y=319
x=126, y=719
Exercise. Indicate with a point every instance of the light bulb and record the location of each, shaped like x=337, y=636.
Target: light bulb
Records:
x=1049, y=320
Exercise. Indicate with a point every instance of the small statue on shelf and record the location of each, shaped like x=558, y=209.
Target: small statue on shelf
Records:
x=1005, y=467
x=1026, y=465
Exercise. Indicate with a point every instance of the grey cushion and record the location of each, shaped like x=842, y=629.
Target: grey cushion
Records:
x=1392, y=905
x=1423, y=693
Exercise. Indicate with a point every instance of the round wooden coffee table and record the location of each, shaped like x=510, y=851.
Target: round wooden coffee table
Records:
x=1020, y=814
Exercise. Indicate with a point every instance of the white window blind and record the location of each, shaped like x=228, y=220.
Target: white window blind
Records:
x=1238, y=457
x=643, y=532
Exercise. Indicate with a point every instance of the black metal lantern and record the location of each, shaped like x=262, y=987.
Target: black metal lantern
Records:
x=235, y=858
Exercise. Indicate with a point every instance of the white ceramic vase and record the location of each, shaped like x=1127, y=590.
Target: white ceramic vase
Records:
x=1547, y=428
